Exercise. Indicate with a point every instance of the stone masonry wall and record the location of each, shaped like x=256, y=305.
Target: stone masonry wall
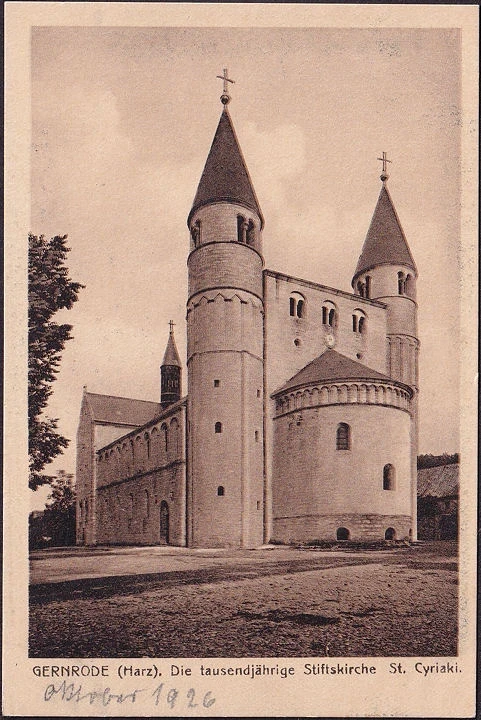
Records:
x=306, y=528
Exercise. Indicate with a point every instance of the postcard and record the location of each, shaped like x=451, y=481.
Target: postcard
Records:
x=240, y=367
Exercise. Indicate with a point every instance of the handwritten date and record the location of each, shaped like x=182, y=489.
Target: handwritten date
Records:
x=70, y=692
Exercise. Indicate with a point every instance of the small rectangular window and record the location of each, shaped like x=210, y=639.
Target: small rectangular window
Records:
x=256, y=435
x=216, y=383
x=258, y=392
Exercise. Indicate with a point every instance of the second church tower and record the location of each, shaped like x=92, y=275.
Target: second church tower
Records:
x=225, y=352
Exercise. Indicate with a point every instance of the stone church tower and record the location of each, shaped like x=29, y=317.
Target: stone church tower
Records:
x=387, y=272
x=225, y=351
x=170, y=373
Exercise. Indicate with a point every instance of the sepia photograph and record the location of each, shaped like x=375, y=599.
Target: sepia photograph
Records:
x=245, y=355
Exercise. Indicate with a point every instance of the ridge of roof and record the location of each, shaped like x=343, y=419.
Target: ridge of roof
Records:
x=385, y=242
x=225, y=176
x=331, y=366
x=120, y=397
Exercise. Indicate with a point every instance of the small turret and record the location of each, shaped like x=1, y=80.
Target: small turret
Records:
x=385, y=244
x=170, y=372
x=386, y=271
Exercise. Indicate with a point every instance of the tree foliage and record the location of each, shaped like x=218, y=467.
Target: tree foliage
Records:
x=427, y=461
x=56, y=525
x=49, y=289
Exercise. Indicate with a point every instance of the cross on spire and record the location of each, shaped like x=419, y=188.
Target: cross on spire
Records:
x=225, y=97
x=171, y=326
x=384, y=160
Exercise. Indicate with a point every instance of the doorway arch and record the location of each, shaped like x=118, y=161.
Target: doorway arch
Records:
x=164, y=523
x=390, y=534
x=342, y=533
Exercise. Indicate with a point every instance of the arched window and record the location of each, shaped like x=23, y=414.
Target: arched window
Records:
x=220, y=491
x=147, y=443
x=409, y=286
x=195, y=233
x=251, y=233
x=358, y=322
x=329, y=314
x=297, y=305
x=147, y=503
x=367, y=287
x=165, y=433
x=390, y=534
x=174, y=429
x=218, y=427
x=364, y=288
x=343, y=437
x=401, y=283
x=388, y=477
x=342, y=533
x=242, y=226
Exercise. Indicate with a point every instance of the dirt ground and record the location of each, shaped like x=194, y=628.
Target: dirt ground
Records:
x=285, y=603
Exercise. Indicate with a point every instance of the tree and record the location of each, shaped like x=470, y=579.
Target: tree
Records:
x=427, y=461
x=61, y=511
x=49, y=289
x=56, y=525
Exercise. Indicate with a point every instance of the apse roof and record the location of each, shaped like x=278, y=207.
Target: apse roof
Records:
x=122, y=411
x=331, y=365
x=225, y=175
x=385, y=241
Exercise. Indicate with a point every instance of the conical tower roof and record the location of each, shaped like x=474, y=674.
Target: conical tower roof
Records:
x=385, y=242
x=225, y=175
x=171, y=356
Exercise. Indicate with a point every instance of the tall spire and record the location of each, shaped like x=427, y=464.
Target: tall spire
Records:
x=225, y=177
x=171, y=356
x=170, y=372
x=385, y=242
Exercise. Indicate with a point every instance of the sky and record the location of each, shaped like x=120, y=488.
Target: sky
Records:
x=122, y=122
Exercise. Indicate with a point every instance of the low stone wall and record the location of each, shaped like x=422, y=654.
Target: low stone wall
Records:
x=324, y=527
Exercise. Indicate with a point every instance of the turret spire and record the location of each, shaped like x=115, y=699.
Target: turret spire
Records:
x=170, y=372
x=225, y=177
x=385, y=242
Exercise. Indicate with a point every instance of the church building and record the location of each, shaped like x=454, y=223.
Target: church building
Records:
x=300, y=418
